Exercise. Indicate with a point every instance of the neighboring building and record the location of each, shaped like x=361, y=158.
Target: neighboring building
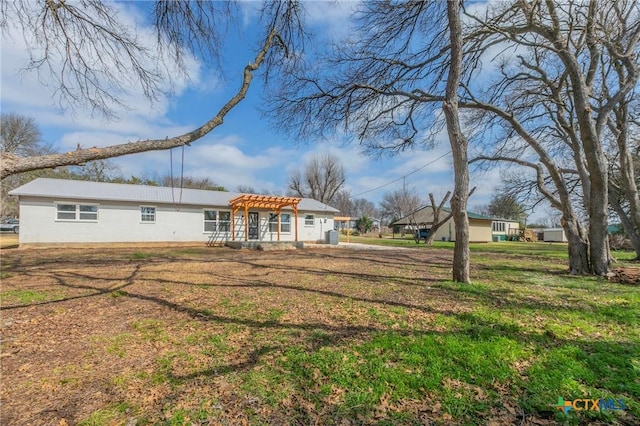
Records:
x=482, y=229
x=68, y=211
x=615, y=228
x=555, y=235
x=501, y=229
x=342, y=223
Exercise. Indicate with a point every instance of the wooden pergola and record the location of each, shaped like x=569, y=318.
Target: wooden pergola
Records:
x=267, y=202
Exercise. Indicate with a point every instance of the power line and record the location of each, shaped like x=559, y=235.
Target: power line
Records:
x=402, y=177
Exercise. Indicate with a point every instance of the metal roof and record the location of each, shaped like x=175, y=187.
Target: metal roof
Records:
x=425, y=215
x=64, y=189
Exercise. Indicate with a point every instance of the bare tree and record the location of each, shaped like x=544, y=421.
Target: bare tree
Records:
x=343, y=202
x=191, y=182
x=97, y=53
x=624, y=129
x=386, y=86
x=459, y=147
x=400, y=203
x=20, y=135
x=506, y=206
x=566, y=52
x=321, y=177
x=364, y=207
x=247, y=189
x=98, y=171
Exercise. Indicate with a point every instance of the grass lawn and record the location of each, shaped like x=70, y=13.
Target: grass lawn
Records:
x=196, y=335
x=552, y=250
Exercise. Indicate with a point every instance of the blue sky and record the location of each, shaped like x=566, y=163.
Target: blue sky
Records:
x=245, y=150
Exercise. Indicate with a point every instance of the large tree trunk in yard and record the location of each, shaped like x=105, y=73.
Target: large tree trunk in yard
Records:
x=599, y=255
x=597, y=164
x=628, y=226
x=459, y=146
x=578, y=247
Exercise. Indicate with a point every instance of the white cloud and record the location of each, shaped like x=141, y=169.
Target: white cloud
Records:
x=28, y=89
x=331, y=16
x=222, y=160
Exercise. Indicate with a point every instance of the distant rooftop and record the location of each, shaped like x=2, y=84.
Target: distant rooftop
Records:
x=425, y=215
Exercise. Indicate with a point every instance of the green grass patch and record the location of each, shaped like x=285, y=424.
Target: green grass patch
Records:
x=26, y=296
x=117, y=344
x=540, y=248
x=139, y=255
x=107, y=416
x=151, y=330
x=458, y=369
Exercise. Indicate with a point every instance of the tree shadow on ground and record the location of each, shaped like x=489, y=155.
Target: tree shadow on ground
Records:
x=471, y=325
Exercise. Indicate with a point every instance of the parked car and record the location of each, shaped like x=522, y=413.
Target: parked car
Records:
x=12, y=225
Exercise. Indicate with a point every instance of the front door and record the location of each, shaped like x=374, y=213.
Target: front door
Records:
x=254, y=225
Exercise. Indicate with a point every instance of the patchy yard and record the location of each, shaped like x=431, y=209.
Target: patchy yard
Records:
x=317, y=336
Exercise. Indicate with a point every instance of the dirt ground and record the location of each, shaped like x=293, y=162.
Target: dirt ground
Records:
x=84, y=329
x=172, y=328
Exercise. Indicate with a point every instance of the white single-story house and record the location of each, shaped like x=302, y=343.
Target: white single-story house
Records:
x=555, y=235
x=70, y=211
x=482, y=229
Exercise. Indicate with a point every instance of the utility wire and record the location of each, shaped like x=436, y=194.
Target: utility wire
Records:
x=402, y=177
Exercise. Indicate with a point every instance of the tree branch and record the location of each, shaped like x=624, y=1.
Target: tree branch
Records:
x=11, y=164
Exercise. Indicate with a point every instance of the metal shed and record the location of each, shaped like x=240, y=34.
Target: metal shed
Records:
x=555, y=235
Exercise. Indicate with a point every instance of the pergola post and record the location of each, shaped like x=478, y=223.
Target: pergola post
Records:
x=246, y=222
x=278, y=214
x=233, y=223
x=295, y=213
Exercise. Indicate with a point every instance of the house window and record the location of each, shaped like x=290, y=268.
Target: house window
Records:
x=224, y=221
x=66, y=212
x=88, y=212
x=273, y=222
x=77, y=212
x=210, y=221
x=147, y=214
x=498, y=226
x=285, y=222
x=308, y=220
x=217, y=221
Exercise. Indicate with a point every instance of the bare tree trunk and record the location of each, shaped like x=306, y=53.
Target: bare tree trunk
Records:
x=627, y=224
x=627, y=187
x=598, y=213
x=434, y=228
x=437, y=221
x=578, y=246
x=459, y=146
x=597, y=163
